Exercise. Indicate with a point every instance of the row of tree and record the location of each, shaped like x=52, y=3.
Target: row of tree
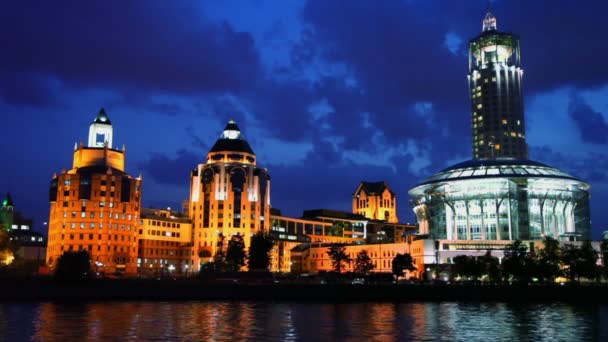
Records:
x=363, y=264
x=545, y=265
x=232, y=256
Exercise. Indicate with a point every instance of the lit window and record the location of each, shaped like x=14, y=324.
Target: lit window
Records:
x=493, y=79
x=504, y=121
x=485, y=80
x=479, y=106
x=513, y=134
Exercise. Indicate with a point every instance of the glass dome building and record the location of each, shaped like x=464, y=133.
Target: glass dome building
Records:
x=502, y=199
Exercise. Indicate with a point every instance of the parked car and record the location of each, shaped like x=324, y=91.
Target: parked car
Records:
x=358, y=281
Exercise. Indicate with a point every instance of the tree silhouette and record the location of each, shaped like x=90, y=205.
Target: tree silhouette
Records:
x=604, y=254
x=580, y=261
x=401, y=264
x=235, y=254
x=259, y=251
x=363, y=263
x=219, y=259
x=467, y=267
x=73, y=265
x=490, y=266
x=337, y=253
x=517, y=263
x=548, y=261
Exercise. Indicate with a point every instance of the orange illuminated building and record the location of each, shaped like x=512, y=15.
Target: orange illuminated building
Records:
x=376, y=201
x=164, y=242
x=381, y=255
x=95, y=205
x=229, y=194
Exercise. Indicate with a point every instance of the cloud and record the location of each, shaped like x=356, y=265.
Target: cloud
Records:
x=133, y=44
x=591, y=125
x=171, y=170
x=453, y=42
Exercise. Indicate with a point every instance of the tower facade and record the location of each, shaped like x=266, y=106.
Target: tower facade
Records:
x=376, y=201
x=495, y=76
x=95, y=205
x=229, y=194
x=7, y=213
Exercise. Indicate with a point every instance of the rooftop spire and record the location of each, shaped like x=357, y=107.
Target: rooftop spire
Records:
x=489, y=22
x=231, y=131
x=102, y=117
x=8, y=201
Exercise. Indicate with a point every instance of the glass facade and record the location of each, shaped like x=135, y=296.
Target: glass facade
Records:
x=504, y=201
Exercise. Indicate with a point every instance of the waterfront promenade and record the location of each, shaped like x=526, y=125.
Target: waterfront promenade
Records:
x=194, y=289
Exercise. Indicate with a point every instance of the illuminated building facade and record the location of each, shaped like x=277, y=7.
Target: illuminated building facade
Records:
x=502, y=199
x=499, y=196
x=7, y=214
x=316, y=258
x=164, y=242
x=229, y=194
x=95, y=206
x=28, y=244
x=495, y=75
x=376, y=201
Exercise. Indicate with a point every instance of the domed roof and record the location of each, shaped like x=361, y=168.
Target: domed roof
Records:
x=497, y=168
x=231, y=140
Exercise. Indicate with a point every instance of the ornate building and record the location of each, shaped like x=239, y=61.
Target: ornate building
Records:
x=229, y=194
x=497, y=113
x=500, y=195
x=376, y=201
x=95, y=205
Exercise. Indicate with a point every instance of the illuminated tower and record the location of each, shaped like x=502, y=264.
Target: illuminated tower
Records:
x=495, y=75
x=229, y=194
x=376, y=201
x=100, y=132
x=7, y=213
x=95, y=206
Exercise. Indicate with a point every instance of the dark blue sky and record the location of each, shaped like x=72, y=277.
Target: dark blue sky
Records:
x=328, y=93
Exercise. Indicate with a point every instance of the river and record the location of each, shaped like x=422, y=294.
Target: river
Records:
x=263, y=321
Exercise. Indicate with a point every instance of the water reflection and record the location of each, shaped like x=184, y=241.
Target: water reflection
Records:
x=247, y=321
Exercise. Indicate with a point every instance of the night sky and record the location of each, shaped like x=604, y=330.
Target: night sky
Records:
x=328, y=93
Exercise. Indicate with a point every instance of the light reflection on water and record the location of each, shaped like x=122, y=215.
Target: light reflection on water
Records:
x=247, y=321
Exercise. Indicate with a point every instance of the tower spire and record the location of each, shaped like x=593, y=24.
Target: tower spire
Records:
x=489, y=22
x=100, y=132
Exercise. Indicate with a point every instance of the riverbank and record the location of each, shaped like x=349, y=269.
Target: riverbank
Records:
x=192, y=289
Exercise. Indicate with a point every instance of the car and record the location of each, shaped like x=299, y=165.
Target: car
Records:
x=358, y=281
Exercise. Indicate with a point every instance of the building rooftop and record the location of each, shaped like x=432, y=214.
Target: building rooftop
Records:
x=231, y=140
x=497, y=168
x=8, y=201
x=102, y=117
x=328, y=213
x=374, y=187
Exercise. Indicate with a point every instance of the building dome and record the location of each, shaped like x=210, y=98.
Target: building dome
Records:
x=502, y=199
x=499, y=168
x=232, y=140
